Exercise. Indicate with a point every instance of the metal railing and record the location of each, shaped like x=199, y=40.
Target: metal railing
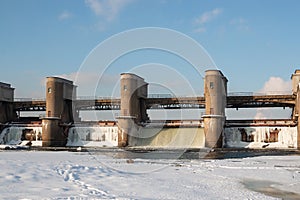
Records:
x=94, y=97
x=29, y=99
x=18, y=99
x=259, y=93
x=160, y=96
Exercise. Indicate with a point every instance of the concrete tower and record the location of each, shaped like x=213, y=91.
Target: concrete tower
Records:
x=215, y=91
x=134, y=91
x=295, y=81
x=59, y=96
x=296, y=112
x=7, y=113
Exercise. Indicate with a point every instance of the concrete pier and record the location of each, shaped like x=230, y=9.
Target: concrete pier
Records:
x=215, y=92
x=296, y=111
x=134, y=91
x=59, y=110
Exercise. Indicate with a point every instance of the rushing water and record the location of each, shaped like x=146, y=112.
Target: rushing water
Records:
x=150, y=137
x=192, y=137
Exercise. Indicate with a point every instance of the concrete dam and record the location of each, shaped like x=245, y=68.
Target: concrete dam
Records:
x=61, y=126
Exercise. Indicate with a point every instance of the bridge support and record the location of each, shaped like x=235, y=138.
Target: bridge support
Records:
x=296, y=112
x=7, y=113
x=59, y=110
x=134, y=91
x=215, y=91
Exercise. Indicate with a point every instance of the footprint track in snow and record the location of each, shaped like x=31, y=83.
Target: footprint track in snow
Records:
x=72, y=174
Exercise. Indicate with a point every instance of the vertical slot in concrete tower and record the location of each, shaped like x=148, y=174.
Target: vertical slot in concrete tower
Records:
x=296, y=111
x=215, y=91
x=134, y=91
x=7, y=112
x=59, y=110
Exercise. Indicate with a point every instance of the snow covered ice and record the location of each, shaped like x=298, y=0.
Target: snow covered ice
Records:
x=83, y=175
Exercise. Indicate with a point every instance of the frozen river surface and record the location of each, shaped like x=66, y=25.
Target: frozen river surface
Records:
x=82, y=175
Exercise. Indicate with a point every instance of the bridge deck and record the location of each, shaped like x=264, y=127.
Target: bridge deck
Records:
x=261, y=101
x=260, y=122
x=167, y=103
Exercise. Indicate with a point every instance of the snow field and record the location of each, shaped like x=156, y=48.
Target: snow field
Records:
x=79, y=175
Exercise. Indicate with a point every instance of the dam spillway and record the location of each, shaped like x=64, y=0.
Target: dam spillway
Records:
x=21, y=135
x=62, y=126
x=184, y=137
x=269, y=134
x=261, y=137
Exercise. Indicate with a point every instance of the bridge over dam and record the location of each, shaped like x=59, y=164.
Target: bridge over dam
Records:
x=234, y=101
x=62, y=107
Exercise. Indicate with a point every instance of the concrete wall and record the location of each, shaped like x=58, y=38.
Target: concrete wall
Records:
x=215, y=91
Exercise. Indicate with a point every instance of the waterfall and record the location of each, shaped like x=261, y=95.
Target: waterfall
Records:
x=184, y=137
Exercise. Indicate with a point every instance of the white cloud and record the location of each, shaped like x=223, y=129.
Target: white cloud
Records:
x=92, y=84
x=205, y=18
x=109, y=9
x=240, y=23
x=208, y=16
x=273, y=113
x=99, y=26
x=276, y=85
x=65, y=15
x=200, y=30
x=95, y=6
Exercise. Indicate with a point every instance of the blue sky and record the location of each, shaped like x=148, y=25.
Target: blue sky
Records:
x=250, y=41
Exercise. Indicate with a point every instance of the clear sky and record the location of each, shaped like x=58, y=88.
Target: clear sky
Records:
x=252, y=42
